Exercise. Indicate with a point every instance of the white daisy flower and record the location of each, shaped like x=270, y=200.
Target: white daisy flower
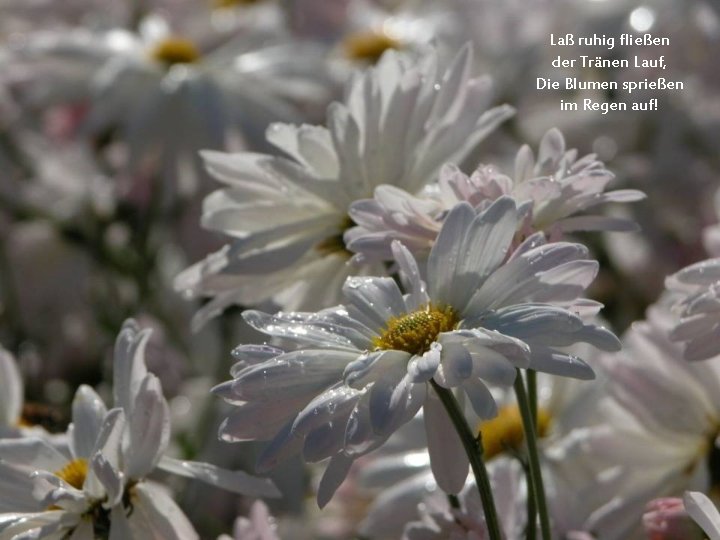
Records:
x=399, y=123
x=660, y=436
x=698, y=306
x=139, y=394
x=558, y=183
x=365, y=369
x=102, y=485
x=48, y=493
x=170, y=95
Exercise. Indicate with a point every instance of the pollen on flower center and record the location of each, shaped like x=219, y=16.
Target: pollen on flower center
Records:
x=416, y=331
x=505, y=431
x=369, y=46
x=74, y=473
x=175, y=50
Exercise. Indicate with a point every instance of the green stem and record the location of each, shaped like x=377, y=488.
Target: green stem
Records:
x=530, y=529
x=474, y=451
x=531, y=377
x=533, y=456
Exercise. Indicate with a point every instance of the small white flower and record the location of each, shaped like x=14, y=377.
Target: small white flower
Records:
x=364, y=370
x=698, y=306
x=399, y=123
x=100, y=484
x=558, y=184
x=259, y=525
x=51, y=493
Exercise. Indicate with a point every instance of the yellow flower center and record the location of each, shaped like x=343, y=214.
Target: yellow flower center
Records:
x=505, y=431
x=369, y=46
x=175, y=50
x=74, y=473
x=416, y=331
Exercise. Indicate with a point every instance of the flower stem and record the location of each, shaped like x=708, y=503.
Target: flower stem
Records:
x=532, y=395
x=533, y=456
x=474, y=451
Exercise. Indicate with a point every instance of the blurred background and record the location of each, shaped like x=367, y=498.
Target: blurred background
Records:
x=104, y=105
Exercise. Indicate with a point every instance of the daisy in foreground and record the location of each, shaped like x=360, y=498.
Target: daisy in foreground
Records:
x=365, y=369
x=98, y=486
x=399, y=123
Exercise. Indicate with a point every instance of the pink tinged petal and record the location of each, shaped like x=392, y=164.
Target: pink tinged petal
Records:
x=703, y=511
x=292, y=375
x=694, y=326
x=552, y=147
x=448, y=460
x=11, y=390
x=702, y=348
x=129, y=368
x=32, y=452
x=334, y=475
x=88, y=411
x=148, y=430
x=410, y=276
x=481, y=399
x=234, y=481
x=155, y=515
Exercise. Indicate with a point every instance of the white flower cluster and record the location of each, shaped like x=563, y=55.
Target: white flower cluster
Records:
x=422, y=285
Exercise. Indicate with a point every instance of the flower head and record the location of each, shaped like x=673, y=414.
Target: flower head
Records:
x=364, y=369
x=399, y=123
x=557, y=185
